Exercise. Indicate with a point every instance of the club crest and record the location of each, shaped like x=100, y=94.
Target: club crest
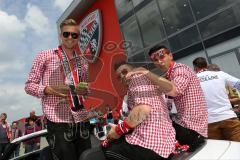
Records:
x=91, y=36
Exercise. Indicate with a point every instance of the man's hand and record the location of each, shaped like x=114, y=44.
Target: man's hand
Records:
x=60, y=91
x=112, y=133
x=139, y=70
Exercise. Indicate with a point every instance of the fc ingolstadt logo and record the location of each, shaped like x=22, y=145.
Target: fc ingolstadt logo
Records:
x=91, y=35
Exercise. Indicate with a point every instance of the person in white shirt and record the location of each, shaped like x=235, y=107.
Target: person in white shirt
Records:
x=222, y=121
x=233, y=94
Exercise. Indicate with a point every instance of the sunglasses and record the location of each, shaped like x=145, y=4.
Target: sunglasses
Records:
x=160, y=54
x=73, y=35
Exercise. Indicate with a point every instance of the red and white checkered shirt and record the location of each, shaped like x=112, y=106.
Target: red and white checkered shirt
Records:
x=46, y=71
x=190, y=101
x=156, y=132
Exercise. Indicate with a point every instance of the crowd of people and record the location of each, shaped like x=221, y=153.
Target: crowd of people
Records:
x=203, y=105
x=9, y=132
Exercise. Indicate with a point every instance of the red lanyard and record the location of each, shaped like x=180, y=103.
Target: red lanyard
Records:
x=170, y=70
x=72, y=75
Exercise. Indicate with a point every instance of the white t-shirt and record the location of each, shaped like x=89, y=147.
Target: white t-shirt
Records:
x=214, y=84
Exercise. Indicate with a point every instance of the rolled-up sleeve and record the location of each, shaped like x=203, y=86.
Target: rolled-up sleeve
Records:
x=181, y=78
x=32, y=85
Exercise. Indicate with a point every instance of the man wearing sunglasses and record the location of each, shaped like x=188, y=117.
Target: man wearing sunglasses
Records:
x=54, y=78
x=185, y=91
x=147, y=132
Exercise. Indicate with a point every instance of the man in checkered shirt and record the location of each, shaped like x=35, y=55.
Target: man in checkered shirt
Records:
x=68, y=136
x=147, y=133
x=191, y=121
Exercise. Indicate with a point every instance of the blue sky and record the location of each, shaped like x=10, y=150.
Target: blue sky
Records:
x=26, y=28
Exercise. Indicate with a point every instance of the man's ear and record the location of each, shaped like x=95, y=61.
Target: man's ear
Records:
x=195, y=69
x=124, y=71
x=60, y=38
x=171, y=56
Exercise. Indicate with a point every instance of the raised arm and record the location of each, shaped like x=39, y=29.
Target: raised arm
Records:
x=166, y=86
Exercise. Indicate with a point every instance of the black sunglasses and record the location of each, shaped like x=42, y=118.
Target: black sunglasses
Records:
x=67, y=34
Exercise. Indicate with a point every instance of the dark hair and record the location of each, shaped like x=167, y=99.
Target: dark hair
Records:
x=117, y=65
x=200, y=62
x=15, y=122
x=5, y=115
x=156, y=48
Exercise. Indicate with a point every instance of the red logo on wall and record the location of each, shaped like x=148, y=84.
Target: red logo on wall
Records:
x=91, y=36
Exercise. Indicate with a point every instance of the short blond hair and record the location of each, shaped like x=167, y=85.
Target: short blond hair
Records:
x=68, y=22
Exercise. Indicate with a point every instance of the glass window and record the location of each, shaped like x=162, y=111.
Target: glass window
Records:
x=202, y=8
x=193, y=48
x=131, y=33
x=123, y=7
x=136, y=2
x=150, y=23
x=138, y=60
x=220, y=22
x=176, y=14
x=228, y=63
x=184, y=39
x=189, y=58
x=223, y=46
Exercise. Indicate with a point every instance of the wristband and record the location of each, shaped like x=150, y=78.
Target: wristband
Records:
x=105, y=143
x=123, y=128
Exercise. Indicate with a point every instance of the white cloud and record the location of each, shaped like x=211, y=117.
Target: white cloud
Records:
x=62, y=4
x=14, y=66
x=11, y=32
x=15, y=107
x=11, y=26
x=36, y=20
x=22, y=35
x=16, y=103
x=11, y=90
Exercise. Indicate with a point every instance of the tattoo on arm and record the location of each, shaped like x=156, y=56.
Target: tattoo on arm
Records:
x=138, y=115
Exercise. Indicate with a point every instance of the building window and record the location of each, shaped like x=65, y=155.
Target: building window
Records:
x=203, y=8
x=176, y=14
x=184, y=39
x=151, y=24
x=138, y=60
x=228, y=63
x=131, y=33
x=137, y=2
x=220, y=22
x=123, y=7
